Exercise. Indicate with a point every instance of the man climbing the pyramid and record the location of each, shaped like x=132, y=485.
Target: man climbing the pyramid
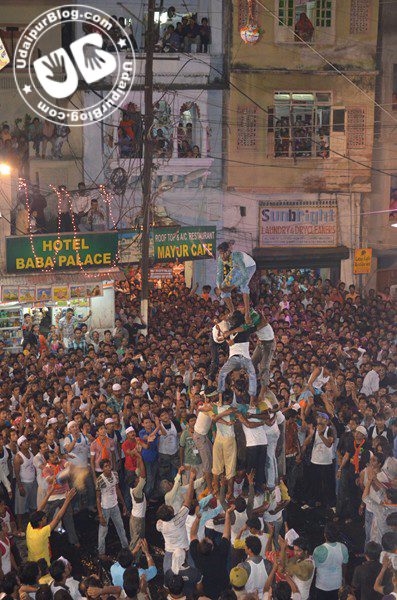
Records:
x=234, y=272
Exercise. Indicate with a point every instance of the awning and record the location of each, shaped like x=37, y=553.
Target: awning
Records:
x=57, y=278
x=299, y=258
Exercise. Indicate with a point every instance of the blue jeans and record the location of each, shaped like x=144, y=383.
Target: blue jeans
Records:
x=236, y=363
x=369, y=517
x=243, y=283
x=115, y=515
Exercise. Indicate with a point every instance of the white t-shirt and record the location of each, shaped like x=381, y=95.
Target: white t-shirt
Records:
x=266, y=333
x=107, y=487
x=241, y=348
x=174, y=531
x=223, y=326
x=203, y=423
x=255, y=436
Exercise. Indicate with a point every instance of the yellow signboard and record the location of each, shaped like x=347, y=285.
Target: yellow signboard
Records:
x=4, y=58
x=362, y=261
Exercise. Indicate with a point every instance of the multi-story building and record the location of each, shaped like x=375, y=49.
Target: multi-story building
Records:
x=301, y=127
x=189, y=87
x=382, y=237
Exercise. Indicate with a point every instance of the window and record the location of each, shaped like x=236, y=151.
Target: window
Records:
x=246, y=127
x=189, y=131
x=338, y=120
x=323, y=13
x=394, y=96
x=286, y=12
x=304, y=16
x=355, y=128
x=162, y=130
x=359, y=16
x=301, y=124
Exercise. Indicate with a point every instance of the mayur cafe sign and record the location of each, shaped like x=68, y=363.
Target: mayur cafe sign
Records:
x=60, y=252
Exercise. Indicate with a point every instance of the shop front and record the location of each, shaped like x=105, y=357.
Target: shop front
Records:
x=46, y=274
x=300, y=235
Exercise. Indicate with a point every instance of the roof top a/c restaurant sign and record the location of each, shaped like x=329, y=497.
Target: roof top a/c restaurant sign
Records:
x=60, y=253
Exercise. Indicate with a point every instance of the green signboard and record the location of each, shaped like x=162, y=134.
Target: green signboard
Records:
x=61, y=252
x=184, y=243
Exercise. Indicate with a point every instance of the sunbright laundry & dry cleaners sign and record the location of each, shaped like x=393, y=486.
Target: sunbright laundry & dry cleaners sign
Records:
x=299, y=223
x=61, y=252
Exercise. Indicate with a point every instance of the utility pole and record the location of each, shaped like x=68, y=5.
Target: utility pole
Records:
x=147, y=161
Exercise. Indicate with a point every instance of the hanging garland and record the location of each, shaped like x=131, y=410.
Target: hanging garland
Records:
x=251, y=32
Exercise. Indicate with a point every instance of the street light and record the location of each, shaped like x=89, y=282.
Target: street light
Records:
x=5, y=169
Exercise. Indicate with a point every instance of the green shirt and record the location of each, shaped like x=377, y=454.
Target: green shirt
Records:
x=191, y=454
x=255, y=318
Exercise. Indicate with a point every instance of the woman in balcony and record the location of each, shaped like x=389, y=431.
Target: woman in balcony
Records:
x=304, y=29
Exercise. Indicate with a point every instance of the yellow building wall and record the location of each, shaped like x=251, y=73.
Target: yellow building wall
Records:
x=336, y=43
x=257, y=72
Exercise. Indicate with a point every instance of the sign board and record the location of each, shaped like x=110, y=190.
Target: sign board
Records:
x=61, y=253
x=184, y=243
x=130, y=247
x=362, y=261
x=4, y=58
x=298, y=224
x=155, y=274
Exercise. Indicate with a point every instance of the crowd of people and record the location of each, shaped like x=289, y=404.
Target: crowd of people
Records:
x=30, y=138
x=183, y=33
x=251, y=434
x=82, y=209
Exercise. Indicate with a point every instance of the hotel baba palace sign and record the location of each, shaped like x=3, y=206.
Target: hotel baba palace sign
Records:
x=60, y=252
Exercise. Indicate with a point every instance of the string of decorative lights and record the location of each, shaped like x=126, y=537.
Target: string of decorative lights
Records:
x=79, y=263
x=23, y=186
x=106, y=197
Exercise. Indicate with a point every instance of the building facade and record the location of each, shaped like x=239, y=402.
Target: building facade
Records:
x=301, y=114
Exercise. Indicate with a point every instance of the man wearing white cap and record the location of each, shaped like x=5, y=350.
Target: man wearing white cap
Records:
x=115, y=402
x=78, y=446
x=26, y=484
x=130, y=464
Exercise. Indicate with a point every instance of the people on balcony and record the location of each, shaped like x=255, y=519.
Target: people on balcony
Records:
x=38, y=204
x=304, y=29
x=81, y=204
x=205, y=35
x=192, y=35
x=171, y=40
x=94, y=220
x=130, y=132
x=35, y=133
x=60, y=137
